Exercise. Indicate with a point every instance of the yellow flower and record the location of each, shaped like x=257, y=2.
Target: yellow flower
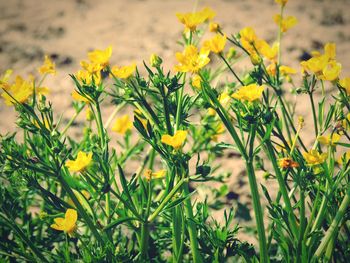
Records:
x=100, y=57
x=89, y=77
x=176, y=140
x=192, y=20
x=82, y=161
x=249, y=93
x=5, y=78
x=287, y=162
x=271, y=69
x=313, y=157
x=21, y=90
x=214, y=27
x=196, y=81
x=154, y=175
x=281, y=2
x=286, y=23
x=345, y=84
x=330, y=50
x=255, y=58
x=216, y=44
x=48, y=67
x=330, y=139
x=91, y=68
x=248, y=34
x=224, y=98
x=68, y=223
x=267, y=51
x=76, y=96
x=124, y=72
x=331, y=71
x=122, y=125
x=315, y=64
x=285, y=70
x=190, y=60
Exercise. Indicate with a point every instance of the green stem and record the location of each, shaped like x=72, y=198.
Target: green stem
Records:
x=313, y=113
x=166, y=200
x=179, y=104
x=230, y=68
x=72, y=120
x=282, y=187
x=144, y=241
x=335, y=224
x=192, y=228
x=258, y=211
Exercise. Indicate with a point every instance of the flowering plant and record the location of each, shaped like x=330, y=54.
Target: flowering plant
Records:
x=137, y=198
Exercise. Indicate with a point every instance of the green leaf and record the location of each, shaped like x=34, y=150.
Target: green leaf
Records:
x=118, y=222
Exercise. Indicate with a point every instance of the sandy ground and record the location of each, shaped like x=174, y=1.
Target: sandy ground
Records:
x=66, y=30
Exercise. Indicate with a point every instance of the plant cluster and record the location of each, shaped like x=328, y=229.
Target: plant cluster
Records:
x=68, y=199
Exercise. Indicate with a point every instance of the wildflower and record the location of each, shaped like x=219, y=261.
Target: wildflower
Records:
x=331, y=71
x=345, y=84
x=68, y=223
x=88, y=77
x=196, y=81
x=285, y=70
x=324, y=66
x=330, y=50
x=91, y=68
x=48, y=67
x=76, y=96
x=255, y=58
x=155, y=60
x=281, y=2
x=176, y=140
x=154, y=175
x=82, y=161
x=285, y=23
x=269, y=52
x=122, y=125
x=329, y=139
x=100, y=57
x=216, y=44
x=249, y=93
x=287, y=162
x=224, y=98
x=124, y=72
x=271, y=69
x=21, y=90
x=313, y=157
x=190, y=60
x=248, y=34
x=214, y=27
x=5, y=78
x=192, y=20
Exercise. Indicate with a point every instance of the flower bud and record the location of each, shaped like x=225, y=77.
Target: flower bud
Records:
x=155, y=60
x=255, y=59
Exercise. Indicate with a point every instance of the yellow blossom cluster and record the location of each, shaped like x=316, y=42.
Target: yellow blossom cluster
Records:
x=192, y=20
x=324, y=66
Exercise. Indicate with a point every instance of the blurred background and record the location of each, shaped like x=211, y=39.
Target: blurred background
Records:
x=67, y=29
